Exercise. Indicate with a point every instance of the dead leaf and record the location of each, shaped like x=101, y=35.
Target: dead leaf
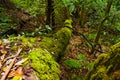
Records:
x=18, y=72
x=0, y=64
x=5, y=68
x=3, y=51
x=1, y=46
x=11, y=74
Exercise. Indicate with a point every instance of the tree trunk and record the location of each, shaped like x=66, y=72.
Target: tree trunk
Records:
x=50, y=20
x=107, y=66
x=101, y=25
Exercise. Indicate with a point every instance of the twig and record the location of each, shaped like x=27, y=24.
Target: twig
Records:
x=10, y=66
x=84, y=37
x=8, y=58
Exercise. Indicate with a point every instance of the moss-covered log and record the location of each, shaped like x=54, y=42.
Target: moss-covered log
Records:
x=43, y=55
x=107, y=66
x=44, y=59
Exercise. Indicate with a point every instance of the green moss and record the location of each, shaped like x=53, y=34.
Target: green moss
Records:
x=116, y=46
x=115, y=50
x=57, y=44
x=100, y=74
x=68, y=23
x=102, y=58
x=106, y=65
x=26, y=42
x=45, y=66
x=17, y=78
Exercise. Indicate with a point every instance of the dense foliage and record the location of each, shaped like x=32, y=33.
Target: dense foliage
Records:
x=95, y=22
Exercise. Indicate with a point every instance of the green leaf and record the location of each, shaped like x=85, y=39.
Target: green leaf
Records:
x=72, y=7
x=17, y=78
x=72, y=63
x=90, y=65
x=118, y=26
x=4, y=26
x=66, y=2
x=82, y=57
x=47, y=27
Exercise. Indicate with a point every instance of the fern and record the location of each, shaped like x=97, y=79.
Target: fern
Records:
x=72, y=63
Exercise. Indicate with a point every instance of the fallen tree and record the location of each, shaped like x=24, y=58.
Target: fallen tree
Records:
x=43, y=54
x=107, y=65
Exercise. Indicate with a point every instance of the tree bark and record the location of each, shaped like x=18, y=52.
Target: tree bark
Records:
x=50, y=20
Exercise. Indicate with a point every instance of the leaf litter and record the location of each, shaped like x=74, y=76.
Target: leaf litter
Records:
x=11, y=62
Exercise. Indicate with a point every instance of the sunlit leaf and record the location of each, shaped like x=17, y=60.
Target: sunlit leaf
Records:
x=17, y=78
x=22, y=61
x=3, y=51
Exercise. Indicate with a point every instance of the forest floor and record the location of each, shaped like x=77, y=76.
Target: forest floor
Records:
x=77, y=46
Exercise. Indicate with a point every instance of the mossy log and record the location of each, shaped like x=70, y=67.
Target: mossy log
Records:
x=107, y=65
x=51, y=48
x=43, y=55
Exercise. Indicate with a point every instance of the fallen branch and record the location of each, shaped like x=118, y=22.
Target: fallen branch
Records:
x=84, y=37
x=11, y=65
x=8, y=58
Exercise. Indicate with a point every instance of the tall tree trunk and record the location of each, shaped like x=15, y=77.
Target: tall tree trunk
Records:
x=50, y=20
x=101, y=25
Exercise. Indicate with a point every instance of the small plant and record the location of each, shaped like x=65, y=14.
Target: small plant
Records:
x=38, y=31
x=79, y=63
x=43, y=30
x=72, y=63
x=91, y=36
